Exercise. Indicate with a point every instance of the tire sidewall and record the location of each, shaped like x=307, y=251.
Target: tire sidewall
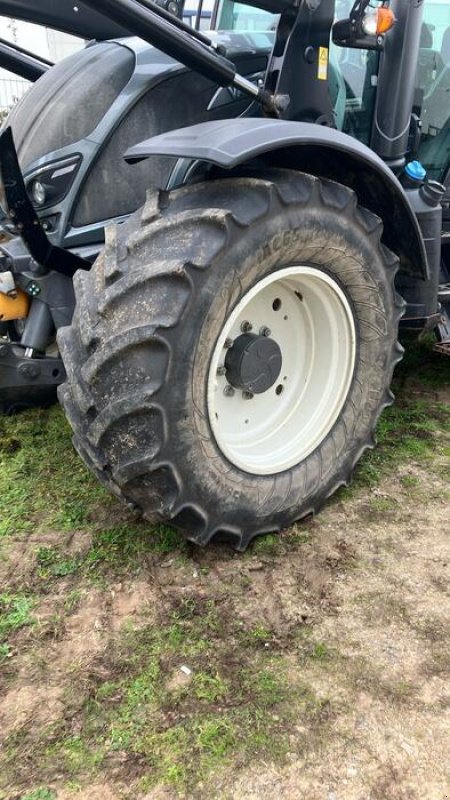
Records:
x=327, y=240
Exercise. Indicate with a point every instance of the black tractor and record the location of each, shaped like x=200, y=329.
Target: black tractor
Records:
x=69, y=143
x=232, y=347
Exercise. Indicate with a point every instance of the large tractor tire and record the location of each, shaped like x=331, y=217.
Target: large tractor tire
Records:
x=231, y=352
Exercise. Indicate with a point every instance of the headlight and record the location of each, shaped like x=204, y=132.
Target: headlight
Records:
x=49, y=185
x=38, y=193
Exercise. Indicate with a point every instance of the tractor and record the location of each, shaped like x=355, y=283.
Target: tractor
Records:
x=232, y=347
x=70, y=153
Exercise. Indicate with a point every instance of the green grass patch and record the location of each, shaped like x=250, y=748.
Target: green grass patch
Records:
x=411, y=429
x=235, y=705
x=72, y=601
x=5, y=652
x=42, y=480
x=407, y=432
x=409, y=482
x=429, y=368
x=185, y=732
x=125, y=545
x=15, y=613
x=39, y=794
x=272, y=545
x=321, y=652
x=52, y=563
x=44, y=485
x=74, y=756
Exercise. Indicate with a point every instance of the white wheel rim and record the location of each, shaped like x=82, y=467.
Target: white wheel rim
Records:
x=311, y=320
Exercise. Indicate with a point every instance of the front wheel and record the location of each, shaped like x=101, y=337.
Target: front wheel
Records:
x=231, y=351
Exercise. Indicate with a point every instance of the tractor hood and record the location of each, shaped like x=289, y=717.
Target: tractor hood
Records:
x=74, y=124
x=68, y=102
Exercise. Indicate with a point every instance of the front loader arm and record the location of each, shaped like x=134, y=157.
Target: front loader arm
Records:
x=21, y=62
x=19, y=209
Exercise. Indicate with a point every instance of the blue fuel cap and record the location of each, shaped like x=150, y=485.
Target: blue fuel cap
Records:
x=415, y=171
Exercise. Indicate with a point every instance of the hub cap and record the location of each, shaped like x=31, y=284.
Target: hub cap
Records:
x=253, y=363
x=275, y=393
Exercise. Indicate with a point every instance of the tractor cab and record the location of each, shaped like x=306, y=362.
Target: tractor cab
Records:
x=353, y=78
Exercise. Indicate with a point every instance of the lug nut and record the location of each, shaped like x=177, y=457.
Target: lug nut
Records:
x=246, y=326
x=221, y=370
x=265, y=331
x=247, y=395
x=228, y=391
x=228, y=343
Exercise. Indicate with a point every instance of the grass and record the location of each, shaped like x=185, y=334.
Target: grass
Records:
x=44, y=485
x=134, y=709
x=410, y=430
x=15, y=613
x=5, y=652
x=39, y=794
x=419, y=359
x=37, y=468
x=407, y=432
x=175, y=728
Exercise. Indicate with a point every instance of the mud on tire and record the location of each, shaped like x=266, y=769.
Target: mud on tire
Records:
x=147, y=321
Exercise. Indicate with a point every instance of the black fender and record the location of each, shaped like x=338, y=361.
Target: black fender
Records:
x=315, y=149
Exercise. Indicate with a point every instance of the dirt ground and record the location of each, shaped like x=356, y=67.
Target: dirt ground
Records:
x=353, y=607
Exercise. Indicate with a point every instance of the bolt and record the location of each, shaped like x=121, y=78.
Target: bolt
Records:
x=247, y=395
x=228, y=343
x=228, y=391
x=29, y=370
x=265, y=331
x=246, y=326
x=221, y=370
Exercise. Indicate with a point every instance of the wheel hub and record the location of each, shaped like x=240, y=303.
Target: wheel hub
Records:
x=289, y=348
x=253, y=363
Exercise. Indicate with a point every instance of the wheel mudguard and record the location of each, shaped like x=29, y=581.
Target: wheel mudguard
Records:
x=314, y=149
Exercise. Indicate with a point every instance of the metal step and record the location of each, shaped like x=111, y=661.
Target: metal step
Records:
x=444, y=293
x=442, y=347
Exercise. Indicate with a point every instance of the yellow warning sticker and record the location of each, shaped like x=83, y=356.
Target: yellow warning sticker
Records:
x=322, y=69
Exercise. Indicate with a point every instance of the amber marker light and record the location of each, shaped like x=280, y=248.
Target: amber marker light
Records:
x=378, y=21
x=385, y=19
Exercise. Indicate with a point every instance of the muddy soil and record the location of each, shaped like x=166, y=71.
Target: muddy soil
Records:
x=368, y=578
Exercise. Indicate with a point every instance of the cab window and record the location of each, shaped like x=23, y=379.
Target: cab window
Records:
x=432, y=89
x=351, y=74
